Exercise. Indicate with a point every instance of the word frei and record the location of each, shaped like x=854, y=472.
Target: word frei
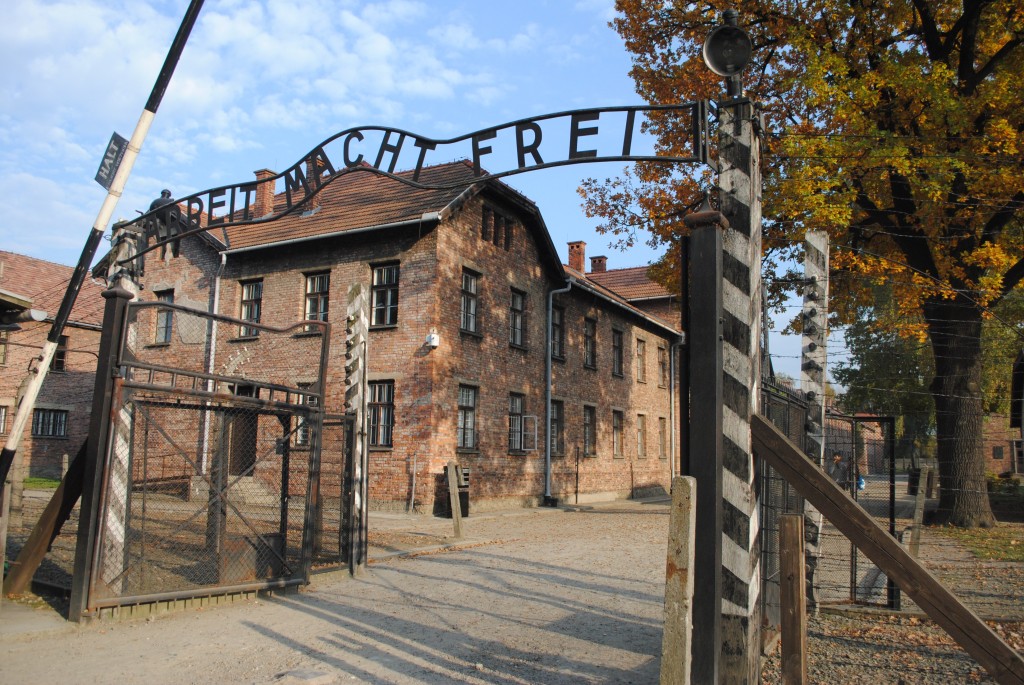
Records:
x=592, y=135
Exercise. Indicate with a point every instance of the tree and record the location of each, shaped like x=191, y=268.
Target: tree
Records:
x=894, y=125
x=888, y=374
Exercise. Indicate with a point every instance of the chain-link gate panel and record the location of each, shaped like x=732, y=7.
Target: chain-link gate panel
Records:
x=212, y=471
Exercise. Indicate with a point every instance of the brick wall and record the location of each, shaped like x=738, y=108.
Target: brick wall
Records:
x=426, y=379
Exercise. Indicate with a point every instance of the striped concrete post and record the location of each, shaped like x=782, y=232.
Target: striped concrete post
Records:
x=812, y=382
x=356, y=326
x=740, y=196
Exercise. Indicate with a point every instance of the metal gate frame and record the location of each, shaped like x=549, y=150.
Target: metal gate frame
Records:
x=117, y=371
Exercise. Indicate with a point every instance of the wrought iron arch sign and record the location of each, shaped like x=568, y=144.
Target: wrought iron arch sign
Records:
x=583, y=137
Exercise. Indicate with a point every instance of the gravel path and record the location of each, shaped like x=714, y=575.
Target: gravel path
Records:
x=531, y=596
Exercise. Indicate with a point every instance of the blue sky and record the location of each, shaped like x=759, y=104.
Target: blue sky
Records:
x=261, y=82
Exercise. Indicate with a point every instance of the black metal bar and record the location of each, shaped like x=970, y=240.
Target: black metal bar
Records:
x=892, y=589
x=171, y=61
x=114, y=315
x=195, y=594
x=684, y=357
x=705, y=462
x=286, y=454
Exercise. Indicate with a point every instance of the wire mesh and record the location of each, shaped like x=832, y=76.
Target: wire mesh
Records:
x=214, y=451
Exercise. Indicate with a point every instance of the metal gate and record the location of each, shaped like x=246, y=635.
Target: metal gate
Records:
x=211, y=459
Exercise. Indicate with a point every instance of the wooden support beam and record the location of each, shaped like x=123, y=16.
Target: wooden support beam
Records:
x=47, y=528
x=794, y=599
x=942, y=606
x=453, y=497
x=677, y=637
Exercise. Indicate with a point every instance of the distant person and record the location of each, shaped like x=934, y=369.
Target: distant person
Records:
x=839, y=471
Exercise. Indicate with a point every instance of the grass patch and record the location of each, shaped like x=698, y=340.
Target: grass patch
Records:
x=1005, y=542
x=36, y=483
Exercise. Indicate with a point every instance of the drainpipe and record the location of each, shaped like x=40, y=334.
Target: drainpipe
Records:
x=547, y=393
x=672, y=352
x=211, y=384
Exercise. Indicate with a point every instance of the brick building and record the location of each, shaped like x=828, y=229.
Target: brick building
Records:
x=61, y=419
x=465, y=289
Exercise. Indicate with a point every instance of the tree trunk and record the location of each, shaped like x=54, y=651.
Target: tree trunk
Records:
x=954, y=328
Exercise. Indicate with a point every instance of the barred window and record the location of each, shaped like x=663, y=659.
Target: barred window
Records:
x=252, y=306
x=3, y=419
x=470, y=301
x=50, y=423
x=164, y=317
x=662, y=437
x=384, y=295
x=4, y=338
x=466, y=433
x=318, y=287
x=381, y=413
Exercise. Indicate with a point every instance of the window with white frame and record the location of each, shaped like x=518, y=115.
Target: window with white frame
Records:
x=3, y=419
x=517, y=319
x=50, y=423
x=557, y=427
x=516, y=405
x=466, y=433
x=318, y=298
x=164, y=317
x=251, y=307
x=381, y=413
x=470, y=321
x=384, y=295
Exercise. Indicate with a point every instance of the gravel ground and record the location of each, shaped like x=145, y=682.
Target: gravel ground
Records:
x=529, y=596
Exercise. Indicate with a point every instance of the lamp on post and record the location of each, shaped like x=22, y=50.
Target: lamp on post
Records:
x=727, y=50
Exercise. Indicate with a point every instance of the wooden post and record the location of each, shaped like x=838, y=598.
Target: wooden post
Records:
x=1004, y=664
x=453, y=497
x=794, y=599
x=915, y=534
x=678, y=632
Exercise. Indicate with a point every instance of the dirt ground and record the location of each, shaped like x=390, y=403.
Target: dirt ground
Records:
x=528, y=596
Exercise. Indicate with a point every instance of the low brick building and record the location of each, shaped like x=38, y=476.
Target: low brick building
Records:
x=60, y=420
x=465, y=289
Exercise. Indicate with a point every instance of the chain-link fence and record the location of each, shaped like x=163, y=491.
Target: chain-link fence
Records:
x=213, y=466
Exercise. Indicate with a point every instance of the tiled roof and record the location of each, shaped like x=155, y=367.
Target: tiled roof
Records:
x=45, y=282
x=632, y=283
x=357, y=199
x=612, y=295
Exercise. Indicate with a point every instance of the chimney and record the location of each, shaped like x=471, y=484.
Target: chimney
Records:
x=598, y=264
x=314, y=167
x=264, y=193
x=577, y=255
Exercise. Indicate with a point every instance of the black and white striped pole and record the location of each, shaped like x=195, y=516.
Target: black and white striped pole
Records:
x=728, y=582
